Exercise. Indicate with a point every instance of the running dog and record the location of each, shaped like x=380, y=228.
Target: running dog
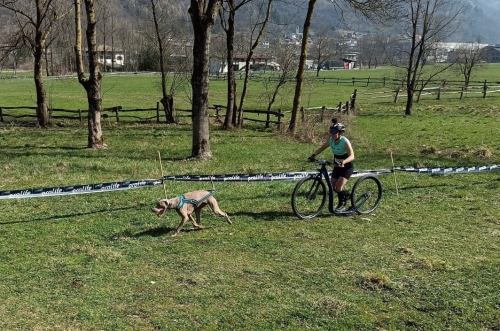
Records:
x=188, y=203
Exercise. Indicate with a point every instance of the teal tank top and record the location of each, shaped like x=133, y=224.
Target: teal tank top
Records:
x=339, y=149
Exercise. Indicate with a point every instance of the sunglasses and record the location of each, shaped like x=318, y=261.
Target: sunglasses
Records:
x=334, y=131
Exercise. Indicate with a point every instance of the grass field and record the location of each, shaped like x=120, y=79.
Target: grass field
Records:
x=426, y=259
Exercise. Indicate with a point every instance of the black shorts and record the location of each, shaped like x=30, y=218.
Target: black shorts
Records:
x=345, y=171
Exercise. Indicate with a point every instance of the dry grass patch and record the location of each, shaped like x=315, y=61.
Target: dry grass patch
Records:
x=429, y=263
x=329, y=306
x=374, y=281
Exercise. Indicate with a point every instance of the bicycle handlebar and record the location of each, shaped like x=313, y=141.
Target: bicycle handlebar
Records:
x=324, y=162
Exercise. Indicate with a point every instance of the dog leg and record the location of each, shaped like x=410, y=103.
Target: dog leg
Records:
x=215, y=207
x=183, y=221
x=196, y=225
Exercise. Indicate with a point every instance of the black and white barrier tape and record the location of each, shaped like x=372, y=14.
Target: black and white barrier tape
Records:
x=264, y=177
x=449, y=171
x=134, y=184
x=78, y=189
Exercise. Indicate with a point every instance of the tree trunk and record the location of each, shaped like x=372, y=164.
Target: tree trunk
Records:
x=202, y=17
x=42, y=110
x=167, y=100
x=300, y=72
x=409, y=101
x=247, y=62
x=92, y=84
x=231, y=84
x=93, y=88
x=168, y=105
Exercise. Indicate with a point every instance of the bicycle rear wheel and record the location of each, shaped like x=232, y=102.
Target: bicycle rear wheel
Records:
x=366, y=194
x=309, y=197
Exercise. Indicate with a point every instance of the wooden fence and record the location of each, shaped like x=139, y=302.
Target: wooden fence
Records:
x=119, y=113
x=481, y=89
x=383, y=82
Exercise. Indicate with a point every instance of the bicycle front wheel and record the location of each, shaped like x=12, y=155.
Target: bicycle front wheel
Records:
x=366, y=194
x=309, y=197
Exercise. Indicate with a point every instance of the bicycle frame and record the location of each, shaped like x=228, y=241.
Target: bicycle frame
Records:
x=323, y=173
x=309, y=195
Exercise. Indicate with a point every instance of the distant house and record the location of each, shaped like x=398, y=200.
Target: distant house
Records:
x=110, y=58
x=349, y=64
x=257, y=62
x=492, y=54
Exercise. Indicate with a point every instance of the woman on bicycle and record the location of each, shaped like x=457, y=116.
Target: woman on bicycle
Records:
x=343, y=155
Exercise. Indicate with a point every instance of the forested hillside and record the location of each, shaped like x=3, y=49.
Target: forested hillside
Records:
x=126, y=25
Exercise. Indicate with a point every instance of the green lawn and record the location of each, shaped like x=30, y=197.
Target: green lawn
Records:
x=426, y=259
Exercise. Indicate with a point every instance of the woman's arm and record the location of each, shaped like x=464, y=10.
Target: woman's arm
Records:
x=322, y=148
x=350, y=152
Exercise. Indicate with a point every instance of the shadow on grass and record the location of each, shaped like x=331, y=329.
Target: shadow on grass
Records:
x=59, y=217
x=266, y=216
x=169, y=230
x=56, y=151
x=158, y=232
x=24, y=147
x=153, y=232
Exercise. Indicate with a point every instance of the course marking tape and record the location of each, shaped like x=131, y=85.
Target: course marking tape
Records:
x=263, y=177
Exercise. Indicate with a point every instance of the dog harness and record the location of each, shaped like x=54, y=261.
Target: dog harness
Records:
x=195, y=203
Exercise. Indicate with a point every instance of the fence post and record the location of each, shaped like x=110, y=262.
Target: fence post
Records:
x=439, y=94
x=157, y=112
x=353, y=98
x=302, y=114
x=484, y=89
x=347, y=107
x=368, y=81
x=340, y=107
x=279, y=119
x=80, y=115
x=462, y=93
x=352, y=81
x=1, y=115
x=117, y=116
x=396, y=97
x=217, y=117
x=383, y=79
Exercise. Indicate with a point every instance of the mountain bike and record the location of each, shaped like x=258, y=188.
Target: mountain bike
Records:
x=309, y=195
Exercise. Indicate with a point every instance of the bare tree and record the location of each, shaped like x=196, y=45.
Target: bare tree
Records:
x=325, y=46
x=256, y=31
x=302, y=66
x=468, y=58
x=228, y=14
x=426, y=23
x=92, y=84
x=203, y=14
x=286, y=58
x=167, y=24
x=372, y=50
x=35, y=20
x=375, y=10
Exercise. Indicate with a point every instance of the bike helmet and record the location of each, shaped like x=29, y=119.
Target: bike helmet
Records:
x=337, y=126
